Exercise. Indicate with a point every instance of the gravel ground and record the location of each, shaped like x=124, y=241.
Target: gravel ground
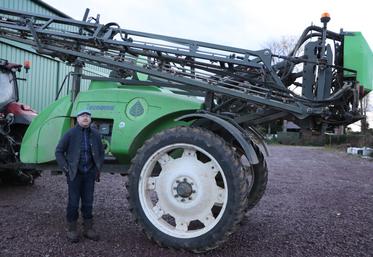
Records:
x=318, y=203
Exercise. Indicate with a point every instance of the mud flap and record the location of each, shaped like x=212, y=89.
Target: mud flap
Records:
x=235, y=132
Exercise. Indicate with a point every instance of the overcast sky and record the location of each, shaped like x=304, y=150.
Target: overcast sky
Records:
x=242, y=23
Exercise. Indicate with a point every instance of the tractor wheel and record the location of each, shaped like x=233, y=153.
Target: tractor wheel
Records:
x=258, y=178
x=187, y=189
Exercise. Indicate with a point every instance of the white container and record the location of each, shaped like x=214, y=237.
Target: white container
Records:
x=365, y=151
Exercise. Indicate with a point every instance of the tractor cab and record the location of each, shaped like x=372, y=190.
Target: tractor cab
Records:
x=8, y=83
x=9, y=105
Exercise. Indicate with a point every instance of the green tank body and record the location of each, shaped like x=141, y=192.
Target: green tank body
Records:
x=358, y=56
x=125, y=115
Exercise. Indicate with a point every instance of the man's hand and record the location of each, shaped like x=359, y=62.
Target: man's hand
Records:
x=66, y=170
x=97, y=176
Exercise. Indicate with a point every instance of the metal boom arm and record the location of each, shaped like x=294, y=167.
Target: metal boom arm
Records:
x=231, y=75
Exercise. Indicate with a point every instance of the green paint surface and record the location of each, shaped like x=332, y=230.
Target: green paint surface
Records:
x=135, y=112
x=358, y=56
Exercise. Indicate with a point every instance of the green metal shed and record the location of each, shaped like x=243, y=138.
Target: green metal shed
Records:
x=46, y=74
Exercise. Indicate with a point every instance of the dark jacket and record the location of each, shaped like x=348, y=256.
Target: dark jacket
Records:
x=68, y=150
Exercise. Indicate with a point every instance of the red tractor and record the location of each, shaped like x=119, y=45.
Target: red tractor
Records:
x=15, y=117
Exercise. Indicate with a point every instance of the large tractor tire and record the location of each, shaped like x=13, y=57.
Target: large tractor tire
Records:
x=187, y=189
x=258, y=178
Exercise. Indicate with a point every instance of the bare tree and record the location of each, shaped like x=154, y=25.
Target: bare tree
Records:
x=281, y=46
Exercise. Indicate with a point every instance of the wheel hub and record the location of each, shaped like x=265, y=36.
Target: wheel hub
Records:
x=184, y=189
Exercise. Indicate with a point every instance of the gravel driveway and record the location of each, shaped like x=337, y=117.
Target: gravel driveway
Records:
x=318, y=203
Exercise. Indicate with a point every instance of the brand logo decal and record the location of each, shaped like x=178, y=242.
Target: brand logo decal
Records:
x=100, y=107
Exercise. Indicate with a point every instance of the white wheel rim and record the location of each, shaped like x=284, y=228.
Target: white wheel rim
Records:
x=188, y=196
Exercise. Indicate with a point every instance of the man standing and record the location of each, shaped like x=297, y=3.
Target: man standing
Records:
x=80, y=154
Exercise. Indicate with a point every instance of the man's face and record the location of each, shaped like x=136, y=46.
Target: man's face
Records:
x=84, y=120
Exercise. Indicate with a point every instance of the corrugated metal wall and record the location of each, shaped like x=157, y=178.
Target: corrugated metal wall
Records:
x=40, y=87
x=46, y=74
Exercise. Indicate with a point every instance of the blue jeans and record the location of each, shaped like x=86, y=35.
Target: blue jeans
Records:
x=82, y=187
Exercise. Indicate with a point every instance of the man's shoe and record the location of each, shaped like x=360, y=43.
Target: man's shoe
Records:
x=88, y=230
x=72, y=232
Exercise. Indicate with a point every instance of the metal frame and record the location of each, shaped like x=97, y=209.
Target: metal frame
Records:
x=200, y=68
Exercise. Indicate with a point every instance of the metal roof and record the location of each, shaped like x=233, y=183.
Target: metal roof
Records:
x=51, y=8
